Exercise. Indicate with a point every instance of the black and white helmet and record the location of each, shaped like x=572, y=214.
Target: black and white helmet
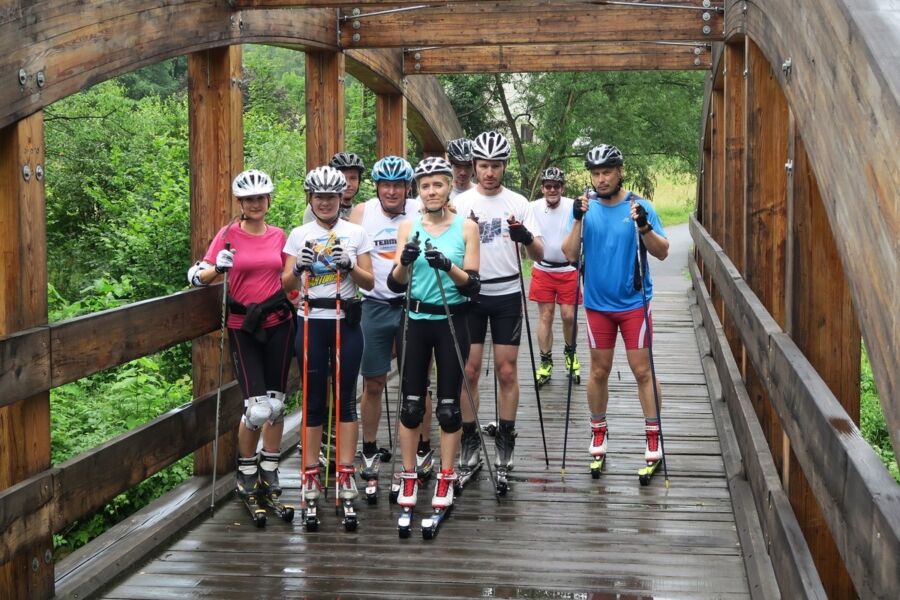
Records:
x=347, y=160
x=490, y=145
x=460, y=151
x=252, y=183
x=553, y=174
x=325, y=180
x=603, y=155
x=433, y=165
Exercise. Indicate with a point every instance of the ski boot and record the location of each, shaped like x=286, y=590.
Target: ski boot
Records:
x=248, y=489
x=572, y=365
x=406, y=498
x=597, y=448
x=505, y=443
x=442, y=503
x=371, y=466
x=270, y=490
x=545, y=371
x=311, y=490
x=652, y=455
x=469, y=456
x=347, y=493
x=424, y=464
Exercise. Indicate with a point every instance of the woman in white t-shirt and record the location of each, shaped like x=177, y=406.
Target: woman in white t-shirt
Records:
x=319, y=252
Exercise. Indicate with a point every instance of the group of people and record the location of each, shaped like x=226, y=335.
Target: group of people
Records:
x=422, y=279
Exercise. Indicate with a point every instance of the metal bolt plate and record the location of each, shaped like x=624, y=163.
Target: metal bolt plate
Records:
x=48, y=556
x=35, y=564
x=356, y=24
x=707, y=30
x=26, y=173
x=707, y=16
x=23, y=76
x=40, y=79
x=356, y=37
x=39, y=174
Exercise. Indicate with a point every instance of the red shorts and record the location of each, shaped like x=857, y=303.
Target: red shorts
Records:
x=549, y=287
x=603, y=325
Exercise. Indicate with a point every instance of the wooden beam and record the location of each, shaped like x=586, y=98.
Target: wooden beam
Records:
x=216, y=156
x=556, y=57
x=390, y=124
x=417, y=3
x=25, y=425
x=859, y=498
x=544, y=23
x=735, y=139
x=324, y=107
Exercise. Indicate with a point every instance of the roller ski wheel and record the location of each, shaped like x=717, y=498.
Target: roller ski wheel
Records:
x=310, y=492
x=257, y=513
x=645, y=474
x=597, y=463
x=372, y=492
x=395, y=491
x=432, y=523
x=285, y=512
x=404, y=523
x=502, y=482
x=310, y=518
x=350, y=520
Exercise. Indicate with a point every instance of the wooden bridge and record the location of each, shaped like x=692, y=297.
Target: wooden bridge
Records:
x=775, y=493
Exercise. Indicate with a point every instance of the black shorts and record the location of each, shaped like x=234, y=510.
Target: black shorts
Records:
x=262, y=366
x=504, y=314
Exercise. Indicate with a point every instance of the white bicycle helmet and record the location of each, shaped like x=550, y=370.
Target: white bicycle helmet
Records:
x=603, y=155
x=490, y=145
x=433, y=165
x=553, y=174
x=460, y=151
x=252, y=183
x=325, y=180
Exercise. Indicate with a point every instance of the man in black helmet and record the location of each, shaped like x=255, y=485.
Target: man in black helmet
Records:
x=603, y=228
x=352, y=166
x=459, y=153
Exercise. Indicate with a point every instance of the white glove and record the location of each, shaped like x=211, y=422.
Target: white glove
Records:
x=342, y=260
x=224, y=260
x=305, y=260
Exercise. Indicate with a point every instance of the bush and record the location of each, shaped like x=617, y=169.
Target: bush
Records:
x=871, y=418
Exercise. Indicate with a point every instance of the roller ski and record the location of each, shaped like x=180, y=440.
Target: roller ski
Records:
x=441, y=503
x=597, y=448
x=573, y=367
x=248, y=490
x=545, y=371
x=652, y=456
x=369, y=473
x=311, y=492
x=347, y=494
x=269, y=489
x=424, y=464
x=406, y=498
x=505, y=444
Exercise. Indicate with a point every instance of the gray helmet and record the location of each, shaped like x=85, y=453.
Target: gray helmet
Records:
x=490, y=145
x=460, y=151
x=325, y=180
x=252, y=183
x=553, y=174
x=433, y=165
x=603, y=155
x=347, y=160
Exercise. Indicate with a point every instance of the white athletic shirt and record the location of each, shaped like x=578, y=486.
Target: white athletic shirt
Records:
x=498, y=252
x=351, y=237
x=554, y=224
x=455, y=192
x=382, y=231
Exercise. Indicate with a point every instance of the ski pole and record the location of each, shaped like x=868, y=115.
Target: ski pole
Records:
x=215, y=466
x=337, y=386
x=537, y=390
x=462, y=368
x=579, y=262
x=387, y=408
x=305, y=392
x=662, y=445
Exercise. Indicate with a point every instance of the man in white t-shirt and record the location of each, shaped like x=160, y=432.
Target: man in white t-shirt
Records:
x=459, y=153
x=352, y=167
x=505, y=221
x=554, y=279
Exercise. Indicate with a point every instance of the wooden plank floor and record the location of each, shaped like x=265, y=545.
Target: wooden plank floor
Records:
x=549, y=538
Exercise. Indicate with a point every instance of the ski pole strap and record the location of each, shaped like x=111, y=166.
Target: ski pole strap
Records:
x=503, y=279
x=436, y=309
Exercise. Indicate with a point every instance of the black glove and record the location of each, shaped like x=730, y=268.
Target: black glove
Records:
x=577, y=211
x=518, y=233
x=342, y=260
x=473, y=216
x=410, y=253
x=436, y=260
x=641, y=218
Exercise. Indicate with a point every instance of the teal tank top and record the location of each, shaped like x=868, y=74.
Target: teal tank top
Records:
x=424, y=283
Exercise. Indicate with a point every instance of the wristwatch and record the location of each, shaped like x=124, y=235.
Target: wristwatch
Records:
x=647, y=230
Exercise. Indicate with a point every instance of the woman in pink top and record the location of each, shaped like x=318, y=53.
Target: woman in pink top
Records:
x=260, y=328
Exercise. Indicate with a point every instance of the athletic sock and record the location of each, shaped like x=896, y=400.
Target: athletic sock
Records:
x=469, y=428
x=507, y=425
x=424, y=447
x=598, y=418
x=370, y=448
x=547, y=356
x=651, y=422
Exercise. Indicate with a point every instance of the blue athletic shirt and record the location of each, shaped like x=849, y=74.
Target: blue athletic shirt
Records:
x=610, y=251
x=424, y=284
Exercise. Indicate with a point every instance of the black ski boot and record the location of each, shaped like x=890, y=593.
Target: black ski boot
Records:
x=505, y=443
x=270, y=490
x=248, y=489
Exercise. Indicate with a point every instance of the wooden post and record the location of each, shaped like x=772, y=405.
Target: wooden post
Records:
x=390, y=124
x=25, y=425
x=767, y=148
x=733, y=121
x=217, y=156
x=324, y=107
x=825, y=328
x=717, y=196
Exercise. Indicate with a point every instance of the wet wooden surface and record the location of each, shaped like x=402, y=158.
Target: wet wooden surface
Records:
x=549, y=538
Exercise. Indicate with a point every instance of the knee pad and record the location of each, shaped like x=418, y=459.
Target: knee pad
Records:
x=412, y=412
x=448, y=415
x=257, y=411
x=276, y=401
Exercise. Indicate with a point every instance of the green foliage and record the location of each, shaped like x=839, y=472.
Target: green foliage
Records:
x=871, y=418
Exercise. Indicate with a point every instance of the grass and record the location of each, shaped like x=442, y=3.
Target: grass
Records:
x=871, y=418
x=674, y=199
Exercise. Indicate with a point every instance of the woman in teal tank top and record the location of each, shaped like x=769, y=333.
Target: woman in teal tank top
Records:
x=438, y=243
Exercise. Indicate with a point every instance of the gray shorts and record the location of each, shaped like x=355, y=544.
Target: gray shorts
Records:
x=380, y=323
